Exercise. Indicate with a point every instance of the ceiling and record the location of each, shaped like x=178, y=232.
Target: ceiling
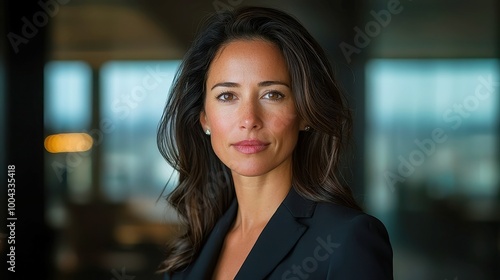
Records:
x=100, y=30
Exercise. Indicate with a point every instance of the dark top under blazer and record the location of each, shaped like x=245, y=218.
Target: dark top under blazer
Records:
x=304, y=240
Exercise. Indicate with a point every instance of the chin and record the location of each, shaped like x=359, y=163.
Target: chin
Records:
x=250, y=171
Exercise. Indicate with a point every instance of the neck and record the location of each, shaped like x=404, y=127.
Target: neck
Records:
x=258, y=198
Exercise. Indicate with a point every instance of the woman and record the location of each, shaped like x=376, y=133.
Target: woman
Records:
x=255, y=125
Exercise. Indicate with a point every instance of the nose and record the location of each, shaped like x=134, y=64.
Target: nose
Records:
x=250, y=115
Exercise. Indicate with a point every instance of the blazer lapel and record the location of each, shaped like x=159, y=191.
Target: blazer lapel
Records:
x=278, y=237
x=204, y=265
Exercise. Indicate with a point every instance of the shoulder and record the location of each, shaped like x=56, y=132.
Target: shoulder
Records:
x=361, y=241
x=321, y=217
x=346, y=224
x=340, y=217
x=357, y=244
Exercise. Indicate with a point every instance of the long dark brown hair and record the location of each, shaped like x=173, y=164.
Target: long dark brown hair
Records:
x=205, y=187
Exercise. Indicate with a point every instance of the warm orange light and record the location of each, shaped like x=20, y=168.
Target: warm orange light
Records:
x=68, y=142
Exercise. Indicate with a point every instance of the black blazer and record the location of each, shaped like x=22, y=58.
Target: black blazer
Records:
x=304, y=240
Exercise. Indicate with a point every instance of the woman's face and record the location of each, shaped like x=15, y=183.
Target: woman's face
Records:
x=250, y=110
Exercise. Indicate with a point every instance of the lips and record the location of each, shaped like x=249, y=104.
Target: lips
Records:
x=250, y=146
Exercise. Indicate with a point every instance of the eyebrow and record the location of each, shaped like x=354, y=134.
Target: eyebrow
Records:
x=261, y=84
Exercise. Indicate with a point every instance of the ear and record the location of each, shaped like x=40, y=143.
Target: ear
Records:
x=302, y=124
x=204, y=121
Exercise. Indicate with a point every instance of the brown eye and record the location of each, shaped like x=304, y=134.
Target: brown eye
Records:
x=226, y=97
x=273, y=95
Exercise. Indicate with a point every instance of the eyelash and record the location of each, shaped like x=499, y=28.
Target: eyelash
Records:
x=219, y=97
x=280, y=97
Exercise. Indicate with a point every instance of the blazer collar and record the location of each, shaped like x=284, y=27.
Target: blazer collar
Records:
x=278, y=237
x=205, y=262
x=298, y=206
x=281, y=233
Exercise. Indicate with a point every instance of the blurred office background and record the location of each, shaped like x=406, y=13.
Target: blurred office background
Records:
x=83, y=85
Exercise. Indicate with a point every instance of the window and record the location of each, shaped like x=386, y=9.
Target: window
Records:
x=132, y=101
x=67, y=96
x=132, y=98
x=431, y=128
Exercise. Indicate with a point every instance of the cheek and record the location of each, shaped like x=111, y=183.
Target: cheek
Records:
x=219, y=122
x=218, y=130
x=221, y=126
x=285, y=121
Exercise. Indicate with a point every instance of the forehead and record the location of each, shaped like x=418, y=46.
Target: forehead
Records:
x=248, y=59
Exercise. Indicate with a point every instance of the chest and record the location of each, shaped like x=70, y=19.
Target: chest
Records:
x=234, y=251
